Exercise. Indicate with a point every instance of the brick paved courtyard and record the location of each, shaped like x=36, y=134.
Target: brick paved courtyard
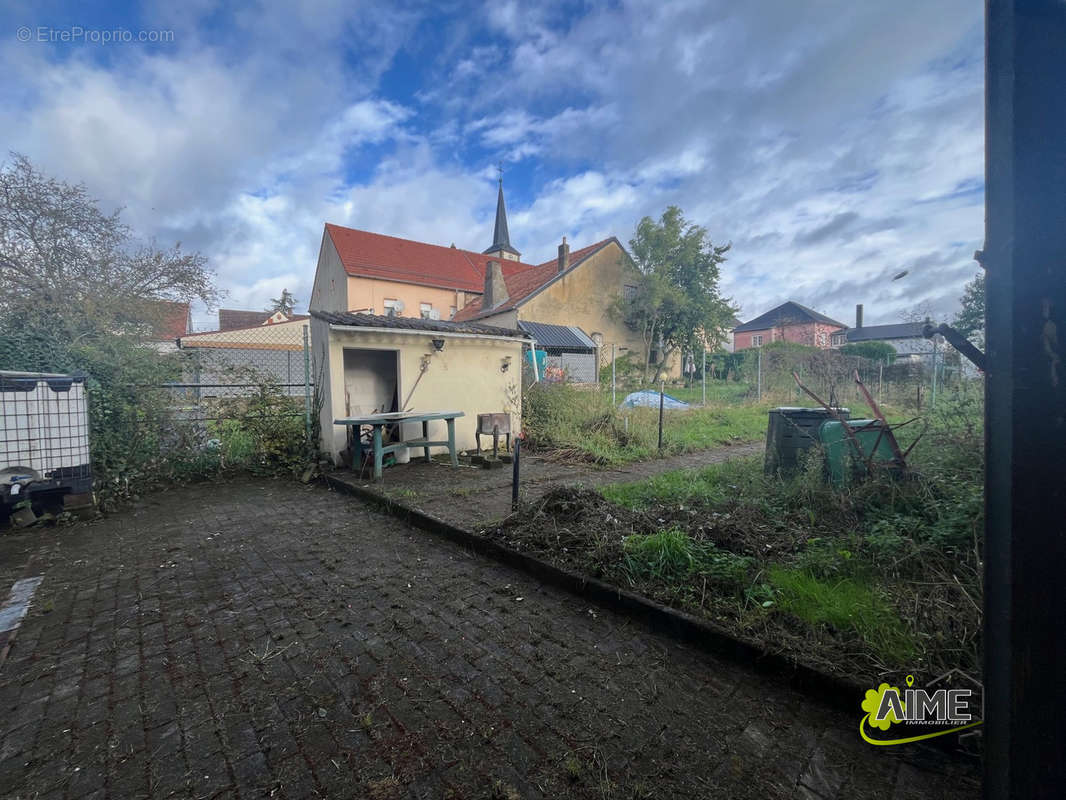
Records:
x=262, y=639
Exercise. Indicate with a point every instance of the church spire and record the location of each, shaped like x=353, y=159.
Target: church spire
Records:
x=501, y=238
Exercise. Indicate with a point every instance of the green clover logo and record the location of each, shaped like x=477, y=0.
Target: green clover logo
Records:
x=874, y=698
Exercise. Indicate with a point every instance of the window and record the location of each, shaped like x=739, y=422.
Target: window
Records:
x=629, y=293
x=392, y=307
x=425, y=309
x=756, y=340
x=838, y=339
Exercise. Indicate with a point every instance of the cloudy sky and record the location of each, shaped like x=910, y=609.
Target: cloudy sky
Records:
x=833, y=143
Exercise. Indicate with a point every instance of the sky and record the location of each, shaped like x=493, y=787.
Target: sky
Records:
x=834, y=144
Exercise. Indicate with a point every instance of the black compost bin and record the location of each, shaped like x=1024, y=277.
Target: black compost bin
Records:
x=790, y=432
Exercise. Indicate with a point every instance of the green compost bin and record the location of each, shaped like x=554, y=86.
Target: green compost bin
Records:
x=841, y=463
x=790, y=432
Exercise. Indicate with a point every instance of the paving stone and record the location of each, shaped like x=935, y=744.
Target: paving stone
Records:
x=313, y=647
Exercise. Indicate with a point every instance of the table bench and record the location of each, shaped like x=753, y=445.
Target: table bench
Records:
x=379, y=421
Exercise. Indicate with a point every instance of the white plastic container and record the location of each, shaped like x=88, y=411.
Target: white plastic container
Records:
x=44, y=427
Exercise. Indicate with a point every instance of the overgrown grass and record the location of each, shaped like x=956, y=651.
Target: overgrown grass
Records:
x=673, y=555
x=582, y=424
x=710, y=486
x=880, y=575
x=845, y=604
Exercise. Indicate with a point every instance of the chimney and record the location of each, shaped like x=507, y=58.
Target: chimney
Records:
x=564, y=255
x=858, y=315
x=495, y=288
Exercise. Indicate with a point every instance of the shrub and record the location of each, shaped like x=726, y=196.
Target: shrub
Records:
x=875, y=351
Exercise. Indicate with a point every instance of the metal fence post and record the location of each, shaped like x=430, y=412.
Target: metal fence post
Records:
x=614, y=400
x=307, y=384
x=662, y=388
x=517, y=455
x=759, y=378
x=932, y=397
x=704, y=374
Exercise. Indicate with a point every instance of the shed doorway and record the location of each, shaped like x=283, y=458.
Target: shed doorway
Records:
x=371, y=381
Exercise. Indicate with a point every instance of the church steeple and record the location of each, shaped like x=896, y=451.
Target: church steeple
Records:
x=501, y=238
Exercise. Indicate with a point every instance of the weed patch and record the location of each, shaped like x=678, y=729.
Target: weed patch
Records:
x=845, y=605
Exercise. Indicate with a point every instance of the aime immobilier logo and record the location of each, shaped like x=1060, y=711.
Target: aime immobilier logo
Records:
x=942, y=706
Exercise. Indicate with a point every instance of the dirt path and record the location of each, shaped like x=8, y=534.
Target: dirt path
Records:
x=262, y=639
x=472, y=498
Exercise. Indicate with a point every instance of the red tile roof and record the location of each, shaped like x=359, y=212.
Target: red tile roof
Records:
x=230, y=318
x=521, y=285
x=170, y=319
x=374, y=255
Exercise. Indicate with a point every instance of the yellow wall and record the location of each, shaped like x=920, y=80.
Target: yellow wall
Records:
x=583, y=298
x=367, y=293
x=465, y=376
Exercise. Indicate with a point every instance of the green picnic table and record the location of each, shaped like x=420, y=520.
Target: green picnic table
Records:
x=379, y=421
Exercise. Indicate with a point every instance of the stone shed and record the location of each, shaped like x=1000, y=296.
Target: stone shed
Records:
x=366, y=364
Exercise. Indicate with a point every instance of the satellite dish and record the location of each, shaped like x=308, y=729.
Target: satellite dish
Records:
x=399, y=306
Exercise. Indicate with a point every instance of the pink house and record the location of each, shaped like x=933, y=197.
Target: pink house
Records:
x=790, y=322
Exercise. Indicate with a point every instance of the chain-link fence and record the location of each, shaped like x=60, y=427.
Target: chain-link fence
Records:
x=236, y=383
x=910, y=381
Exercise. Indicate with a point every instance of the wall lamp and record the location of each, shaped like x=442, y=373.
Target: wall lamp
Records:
x=505, y=364
x=438, y=344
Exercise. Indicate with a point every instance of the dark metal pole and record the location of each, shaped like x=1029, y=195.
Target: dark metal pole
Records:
x=662, y=386
x=514, y=472
x=1025, y=398
x=307, y=384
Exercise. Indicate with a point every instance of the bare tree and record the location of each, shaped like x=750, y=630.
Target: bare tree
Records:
x=63, y=259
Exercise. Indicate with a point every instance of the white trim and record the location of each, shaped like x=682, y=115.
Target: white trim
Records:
x=340, y=327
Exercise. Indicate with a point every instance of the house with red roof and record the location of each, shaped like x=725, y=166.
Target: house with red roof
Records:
x=377, y=274
x=790, y=322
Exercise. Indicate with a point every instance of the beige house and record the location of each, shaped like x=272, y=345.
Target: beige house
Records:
x=375, y=274
x=577, y=288
x=366, y=364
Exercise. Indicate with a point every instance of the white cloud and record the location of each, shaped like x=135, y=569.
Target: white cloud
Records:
x=832, y=143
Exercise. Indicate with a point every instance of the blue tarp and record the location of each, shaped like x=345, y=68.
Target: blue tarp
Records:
x=650, y=399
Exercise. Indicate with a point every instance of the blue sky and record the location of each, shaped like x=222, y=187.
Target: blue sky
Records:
x=835, y=144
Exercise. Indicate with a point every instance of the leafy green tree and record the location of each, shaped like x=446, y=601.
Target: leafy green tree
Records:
x=970, y=321
x=286, y=304
x=677, y=306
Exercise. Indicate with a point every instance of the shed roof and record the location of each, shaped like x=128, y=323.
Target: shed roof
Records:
x=560, y=337
x=881, y=333
x=357, y=320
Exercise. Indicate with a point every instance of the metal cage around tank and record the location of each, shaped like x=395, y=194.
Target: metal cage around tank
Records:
x=44, y=433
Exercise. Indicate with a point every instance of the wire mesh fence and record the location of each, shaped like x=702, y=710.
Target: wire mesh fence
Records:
x=229, y=381
x=767, y=375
